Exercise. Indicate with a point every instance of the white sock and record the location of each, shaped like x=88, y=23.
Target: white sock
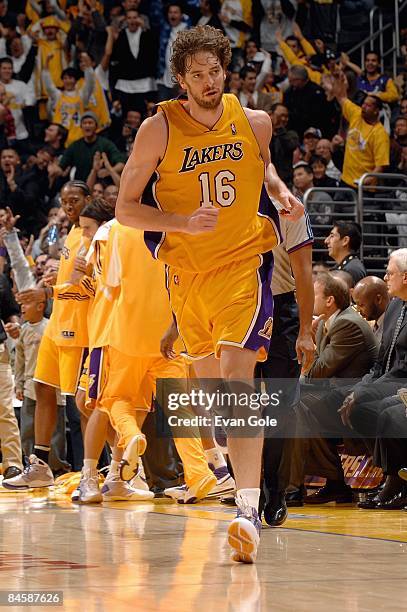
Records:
x=214, y=456
x=90, y=464
x=252, y=496
x=114, y=468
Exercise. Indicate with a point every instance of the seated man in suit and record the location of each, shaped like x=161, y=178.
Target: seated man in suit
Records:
x=391, y=455
x=345, y=349
x=362, y=407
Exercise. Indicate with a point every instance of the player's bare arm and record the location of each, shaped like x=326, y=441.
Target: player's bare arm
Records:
x=277, y=189
x=148, y=150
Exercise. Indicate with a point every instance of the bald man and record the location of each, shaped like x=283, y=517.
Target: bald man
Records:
x=371, y=298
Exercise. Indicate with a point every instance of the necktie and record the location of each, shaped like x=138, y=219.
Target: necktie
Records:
x=396, y=333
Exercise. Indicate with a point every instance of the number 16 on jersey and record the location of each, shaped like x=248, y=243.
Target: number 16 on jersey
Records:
x=222, y=189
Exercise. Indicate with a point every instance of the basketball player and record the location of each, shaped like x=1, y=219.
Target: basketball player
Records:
x=132, y=362
x=63, y=346
x=214, y=227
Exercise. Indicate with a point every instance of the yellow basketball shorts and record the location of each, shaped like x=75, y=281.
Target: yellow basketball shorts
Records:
x=231, y=305
x=59, y=366
x=132, y=380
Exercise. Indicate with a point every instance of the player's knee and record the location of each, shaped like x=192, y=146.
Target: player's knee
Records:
x=43, y=390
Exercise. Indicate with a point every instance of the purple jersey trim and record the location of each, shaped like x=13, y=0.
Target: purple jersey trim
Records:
x=265, y=312
x=95, y=369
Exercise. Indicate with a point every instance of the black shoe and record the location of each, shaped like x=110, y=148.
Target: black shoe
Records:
x=158, y=492
x=295, y=499
x=275, y=509
x=397, y=502
x=369, y=503
x=340, y=495
x=11, y=472
x=228, y=501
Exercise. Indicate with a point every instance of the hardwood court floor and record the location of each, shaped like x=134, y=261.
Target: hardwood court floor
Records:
x=165, y=557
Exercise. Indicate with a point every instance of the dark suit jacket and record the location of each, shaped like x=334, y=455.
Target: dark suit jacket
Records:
x=377, y=385
x=348, y=350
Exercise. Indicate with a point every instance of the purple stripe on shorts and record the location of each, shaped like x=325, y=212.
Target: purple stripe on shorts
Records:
x=94, y=372
x=261, y=333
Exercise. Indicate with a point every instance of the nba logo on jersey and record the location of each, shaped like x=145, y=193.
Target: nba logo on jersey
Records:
x=233, y=128
x=265, y=332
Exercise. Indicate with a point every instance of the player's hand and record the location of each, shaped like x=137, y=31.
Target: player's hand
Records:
x=19, y=395
x=80, y=264
x=305, y=349
x=13, y=330
x=292, y=207
x=204, y=219
x=346, y=410
x=167, y=342
x=31, y=295
x=50, y=279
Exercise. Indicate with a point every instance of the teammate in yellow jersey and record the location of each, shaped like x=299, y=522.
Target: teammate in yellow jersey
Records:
x=64, y=345
x=95, y=220
x=217, y=229
x=132, y=362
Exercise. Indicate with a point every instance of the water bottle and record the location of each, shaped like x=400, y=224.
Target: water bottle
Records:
x=53, y=235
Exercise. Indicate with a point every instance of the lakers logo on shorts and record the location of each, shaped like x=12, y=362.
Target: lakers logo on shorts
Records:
x=92, y=380
x=265, y=332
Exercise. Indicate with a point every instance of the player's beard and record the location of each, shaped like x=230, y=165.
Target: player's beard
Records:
x=207, y=103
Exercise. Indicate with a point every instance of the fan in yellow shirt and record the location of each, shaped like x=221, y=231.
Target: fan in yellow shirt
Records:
x=51, y=43
x=70, y=102
x=367, y=146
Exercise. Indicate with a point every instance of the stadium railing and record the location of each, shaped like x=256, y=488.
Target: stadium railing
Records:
x=341, y=203
x=382, y=213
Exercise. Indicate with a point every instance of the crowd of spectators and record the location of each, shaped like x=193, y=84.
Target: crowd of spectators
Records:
x=78, y=77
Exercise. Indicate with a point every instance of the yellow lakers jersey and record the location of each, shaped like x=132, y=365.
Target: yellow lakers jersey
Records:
x=222, y=167
x=101, y=298
x=142, y=311
x=68, y=323
x=68, y=112
x=101, y=310
x=58, y=62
